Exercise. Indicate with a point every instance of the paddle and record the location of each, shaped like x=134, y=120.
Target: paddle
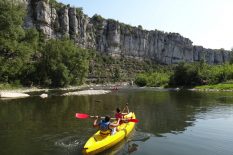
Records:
x=84, y=116
x=126, y=107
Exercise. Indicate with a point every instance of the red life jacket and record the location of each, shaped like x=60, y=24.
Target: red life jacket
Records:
x=118, y=115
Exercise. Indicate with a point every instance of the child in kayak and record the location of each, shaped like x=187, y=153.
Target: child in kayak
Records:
x=120, y=115
x=105, y=126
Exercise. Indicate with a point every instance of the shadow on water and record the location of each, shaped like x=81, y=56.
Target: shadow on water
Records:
x=128, y=145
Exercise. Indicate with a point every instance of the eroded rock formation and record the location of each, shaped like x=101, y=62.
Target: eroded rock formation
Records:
x=115, y=38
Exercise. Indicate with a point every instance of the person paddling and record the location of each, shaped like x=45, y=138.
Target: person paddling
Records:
x=105, y=126
x=120, y=115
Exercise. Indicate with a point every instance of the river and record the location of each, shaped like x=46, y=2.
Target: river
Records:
x=171, y=122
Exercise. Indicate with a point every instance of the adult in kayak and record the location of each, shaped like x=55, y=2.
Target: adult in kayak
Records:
x=105, y=126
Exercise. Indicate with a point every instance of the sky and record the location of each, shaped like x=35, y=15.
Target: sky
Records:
x=208, y=23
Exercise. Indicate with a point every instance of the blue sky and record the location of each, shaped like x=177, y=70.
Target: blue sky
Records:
x=206, y=22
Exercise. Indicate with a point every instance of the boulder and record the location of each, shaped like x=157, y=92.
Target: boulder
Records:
x=44, y=95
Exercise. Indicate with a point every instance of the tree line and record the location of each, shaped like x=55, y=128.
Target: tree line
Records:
x=187, y=75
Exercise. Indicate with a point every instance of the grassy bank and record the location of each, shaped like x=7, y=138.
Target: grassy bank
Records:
x=220, y=86
x=7, y=86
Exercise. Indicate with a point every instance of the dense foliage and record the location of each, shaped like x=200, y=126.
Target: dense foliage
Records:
x=61, y=63
x=14, y=51
x=28, y=59
x=25, y=57
x=103, y=68
x=201, y=73
x=188, y=75
x=154, y=79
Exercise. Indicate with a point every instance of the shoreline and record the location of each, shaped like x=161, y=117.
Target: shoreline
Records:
x=211, y=90
x=35, y=89
x=84, y=86
x=109, y=86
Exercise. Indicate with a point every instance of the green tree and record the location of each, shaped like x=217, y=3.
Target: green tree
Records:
x=117, y=74
x=62, y=63
x=141, y=80
x=15, y=53
x=186, y=75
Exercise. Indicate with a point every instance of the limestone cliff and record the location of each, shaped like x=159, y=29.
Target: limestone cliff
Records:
x=115, y=38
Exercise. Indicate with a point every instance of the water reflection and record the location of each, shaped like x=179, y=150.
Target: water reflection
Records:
x=48, y=126
x=173, y=112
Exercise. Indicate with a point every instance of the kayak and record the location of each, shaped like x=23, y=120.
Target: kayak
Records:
x=98, y=143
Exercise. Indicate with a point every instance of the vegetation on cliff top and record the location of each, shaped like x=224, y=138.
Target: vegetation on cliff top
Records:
x=56, y=4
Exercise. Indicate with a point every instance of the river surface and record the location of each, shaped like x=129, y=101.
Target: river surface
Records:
x=171, y=123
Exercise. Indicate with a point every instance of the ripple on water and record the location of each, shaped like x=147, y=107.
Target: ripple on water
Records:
x=71, y=144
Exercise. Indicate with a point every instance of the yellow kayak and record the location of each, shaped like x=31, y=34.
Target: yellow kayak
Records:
x=98, y=143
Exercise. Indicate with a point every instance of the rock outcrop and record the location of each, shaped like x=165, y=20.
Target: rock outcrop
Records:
x=56, y=20
x=12, y=95
x=87, y=92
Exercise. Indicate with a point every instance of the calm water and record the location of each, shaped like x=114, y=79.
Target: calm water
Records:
x=174, y=123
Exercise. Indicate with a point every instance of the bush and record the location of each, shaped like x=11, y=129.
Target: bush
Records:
x=154, y=79
x=141, y=80
x=186, y=75
x=79, y=11
x=157, y=79
x=56, y=4
x=194, y=74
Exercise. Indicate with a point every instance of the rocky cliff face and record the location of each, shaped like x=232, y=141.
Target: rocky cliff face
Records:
x=114, y=38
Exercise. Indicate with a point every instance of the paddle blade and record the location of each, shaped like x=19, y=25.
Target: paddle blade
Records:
x=133, y=120
x=81, y=116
